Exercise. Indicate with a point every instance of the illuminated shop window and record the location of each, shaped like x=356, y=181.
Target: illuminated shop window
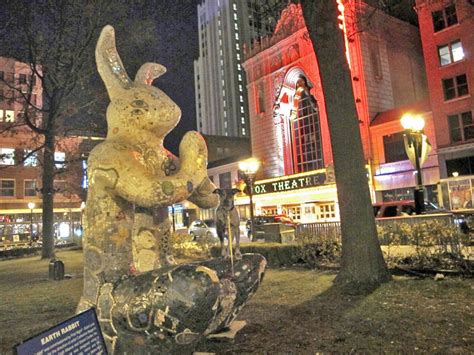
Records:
x=450, y=53
x=327, y=211
x=292, y=211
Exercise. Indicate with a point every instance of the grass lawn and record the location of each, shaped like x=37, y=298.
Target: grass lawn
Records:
x=295, y=311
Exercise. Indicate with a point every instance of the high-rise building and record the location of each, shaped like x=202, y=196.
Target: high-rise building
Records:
x=447, y=34
x=225, y=28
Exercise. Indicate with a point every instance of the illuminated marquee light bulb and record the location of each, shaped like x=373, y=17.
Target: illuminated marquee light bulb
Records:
x=342, y=26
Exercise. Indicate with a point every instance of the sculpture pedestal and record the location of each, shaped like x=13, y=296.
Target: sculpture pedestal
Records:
x=171, y=309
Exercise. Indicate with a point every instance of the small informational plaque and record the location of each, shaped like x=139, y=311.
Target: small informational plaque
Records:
x=80, y=334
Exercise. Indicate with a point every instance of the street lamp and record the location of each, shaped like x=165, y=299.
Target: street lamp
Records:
x=414, y=140
x=249, y=169
x=31, y=205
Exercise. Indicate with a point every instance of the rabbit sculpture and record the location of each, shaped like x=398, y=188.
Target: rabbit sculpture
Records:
x=145, y=303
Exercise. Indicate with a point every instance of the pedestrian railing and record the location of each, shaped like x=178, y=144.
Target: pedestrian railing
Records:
x=322, y=231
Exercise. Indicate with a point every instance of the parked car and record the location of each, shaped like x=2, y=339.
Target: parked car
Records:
x=199, y=228
x=259, y=221
x=403, y=208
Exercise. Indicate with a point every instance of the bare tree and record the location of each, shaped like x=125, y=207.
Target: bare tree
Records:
x=362, y=265
x=54, y=39
x=57, y=39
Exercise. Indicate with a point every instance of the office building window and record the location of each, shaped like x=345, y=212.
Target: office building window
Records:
x=7, y=187
x=22, y=79
x=9, y=116
x=59, y=159
x=30, y=188
x=455, y=87
x=394, y=147
x=461, y=127
x=7, y=156
x=31, y=159
x=450, y=53
x=444, y=18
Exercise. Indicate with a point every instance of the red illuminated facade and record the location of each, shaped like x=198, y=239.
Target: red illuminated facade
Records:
x=387, y=70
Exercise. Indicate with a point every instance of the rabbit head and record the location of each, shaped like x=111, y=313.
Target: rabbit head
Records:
x=134, y=105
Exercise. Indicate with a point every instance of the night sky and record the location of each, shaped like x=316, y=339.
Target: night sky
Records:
x=162, y=31
x=176, y=47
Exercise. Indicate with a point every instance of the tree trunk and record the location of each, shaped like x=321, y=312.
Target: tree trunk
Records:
x=48, y=196
x=362, y=264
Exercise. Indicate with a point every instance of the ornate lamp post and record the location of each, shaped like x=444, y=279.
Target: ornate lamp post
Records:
x=413, y=137
x=31, y=205
x=249, y=169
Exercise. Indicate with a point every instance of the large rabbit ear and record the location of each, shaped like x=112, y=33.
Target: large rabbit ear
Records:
x=149, y=72
x=109, y=64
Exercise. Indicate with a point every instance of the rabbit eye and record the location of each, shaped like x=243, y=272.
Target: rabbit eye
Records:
x=137, y=112
x=139, y=103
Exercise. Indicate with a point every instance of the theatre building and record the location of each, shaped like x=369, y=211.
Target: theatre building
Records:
x=288, y=120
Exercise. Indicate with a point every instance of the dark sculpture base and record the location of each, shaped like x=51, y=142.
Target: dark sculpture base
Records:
x=171, y=309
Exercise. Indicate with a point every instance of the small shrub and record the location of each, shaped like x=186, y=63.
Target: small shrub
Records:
x=319, y=250
x=432, y=241
x=182, y=244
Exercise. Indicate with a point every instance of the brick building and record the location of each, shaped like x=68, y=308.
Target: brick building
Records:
x=447, y=34
x=20, y=163
x=386, y=63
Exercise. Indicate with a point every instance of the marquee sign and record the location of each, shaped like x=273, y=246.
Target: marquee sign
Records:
x=289, y=184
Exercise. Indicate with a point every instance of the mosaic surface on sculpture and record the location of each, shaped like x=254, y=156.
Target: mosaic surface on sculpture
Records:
x=144, y=302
